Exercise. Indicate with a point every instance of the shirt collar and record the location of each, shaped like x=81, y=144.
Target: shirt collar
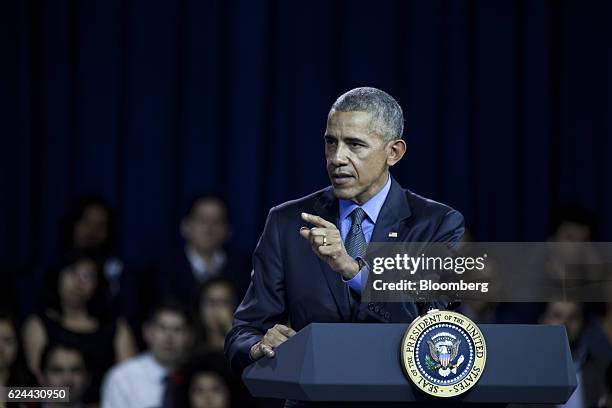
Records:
x=372, y=207
x=200, y=265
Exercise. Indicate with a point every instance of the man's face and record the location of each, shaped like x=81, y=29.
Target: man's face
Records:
x=356, y=156
x=66, y=368
x=217, y=307
x=568, y=314
x=570, y=231
x=208, y=390
x=206, y=228
x=168, y=338
x=91, y=230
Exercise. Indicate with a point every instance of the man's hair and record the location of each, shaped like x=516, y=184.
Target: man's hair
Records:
x=203, y=197
x=169, y=305
x=574, y=213
x=52, y=348
x=74, y=215
x=387, y=117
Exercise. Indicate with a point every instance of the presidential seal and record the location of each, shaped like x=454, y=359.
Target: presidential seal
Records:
x=443, y=353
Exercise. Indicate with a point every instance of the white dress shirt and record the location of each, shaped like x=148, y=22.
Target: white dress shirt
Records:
x=202, y=269
x=135, y=383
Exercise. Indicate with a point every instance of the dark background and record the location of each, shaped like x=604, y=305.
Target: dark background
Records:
x=149, y=102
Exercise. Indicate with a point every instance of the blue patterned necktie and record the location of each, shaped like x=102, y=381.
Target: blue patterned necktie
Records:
x=355, y=242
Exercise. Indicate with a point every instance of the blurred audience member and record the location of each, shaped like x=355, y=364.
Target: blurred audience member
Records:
x=88, y=227
x=591, y=351
x=572, y=223
x=64, y=366
x=204, y=383
x=215, y=311
x=568, y=224
x=205, y=229
x=141, y=381
x=13, y=369
x=76, y=313
x=572, y=226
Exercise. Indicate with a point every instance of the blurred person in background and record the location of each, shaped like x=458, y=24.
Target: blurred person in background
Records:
x=206, y=230
x=578, y=265
x=90, y=227
x=591, y=350
x=76, y=313
x=572, y=223
x=569, y=224
x=215, y=308
x=214, y=311
x=64, y=366
x=142, y=381
x=87, y=227
x=13, y=369
x=204, y=383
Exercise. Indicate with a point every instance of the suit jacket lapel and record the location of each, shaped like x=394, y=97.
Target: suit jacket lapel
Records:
x=327, y=207
x=394, y=210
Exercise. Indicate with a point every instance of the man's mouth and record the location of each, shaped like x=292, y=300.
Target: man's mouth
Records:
x=341, y=179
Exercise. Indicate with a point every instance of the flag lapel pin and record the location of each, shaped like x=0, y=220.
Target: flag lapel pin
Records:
x=393, y=235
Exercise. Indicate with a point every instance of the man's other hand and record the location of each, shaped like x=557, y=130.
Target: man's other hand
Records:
x=273, y=338
x=326, y=242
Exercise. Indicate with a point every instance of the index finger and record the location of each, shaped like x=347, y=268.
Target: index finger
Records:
x=318, y=221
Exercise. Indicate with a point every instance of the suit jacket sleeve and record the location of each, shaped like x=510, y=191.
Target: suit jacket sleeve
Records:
x=451, y=228
x=264, y=304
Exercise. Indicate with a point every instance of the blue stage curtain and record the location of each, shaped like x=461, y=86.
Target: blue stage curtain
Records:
x=507, y=107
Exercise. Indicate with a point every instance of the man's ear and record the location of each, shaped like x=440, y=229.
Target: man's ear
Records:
x=395, y=152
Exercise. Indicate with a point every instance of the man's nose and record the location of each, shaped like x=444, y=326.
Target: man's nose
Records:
x=340, y=156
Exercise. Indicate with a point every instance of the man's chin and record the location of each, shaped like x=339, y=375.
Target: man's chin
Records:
x=342, y=193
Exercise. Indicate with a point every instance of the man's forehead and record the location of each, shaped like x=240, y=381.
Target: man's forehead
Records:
x=349, y=117
x=65, y=358
x=349, y=121
x=170, y=319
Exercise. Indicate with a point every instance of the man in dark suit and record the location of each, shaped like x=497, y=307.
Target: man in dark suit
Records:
x=316, y=274
x=205, y=229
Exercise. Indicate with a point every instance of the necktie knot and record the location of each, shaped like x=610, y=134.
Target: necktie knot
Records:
x=358, y=215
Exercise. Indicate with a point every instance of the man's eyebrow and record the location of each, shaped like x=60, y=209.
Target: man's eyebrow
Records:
x=352, y=139
x=348, y=139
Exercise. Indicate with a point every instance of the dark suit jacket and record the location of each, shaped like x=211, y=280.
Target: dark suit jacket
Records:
x=175, y=278
x=291, y=284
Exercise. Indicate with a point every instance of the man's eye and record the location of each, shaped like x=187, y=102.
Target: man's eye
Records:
x=330, y=141
x=355, y=145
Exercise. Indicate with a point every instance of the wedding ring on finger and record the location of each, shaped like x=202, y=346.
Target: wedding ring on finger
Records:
x=325, y=240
